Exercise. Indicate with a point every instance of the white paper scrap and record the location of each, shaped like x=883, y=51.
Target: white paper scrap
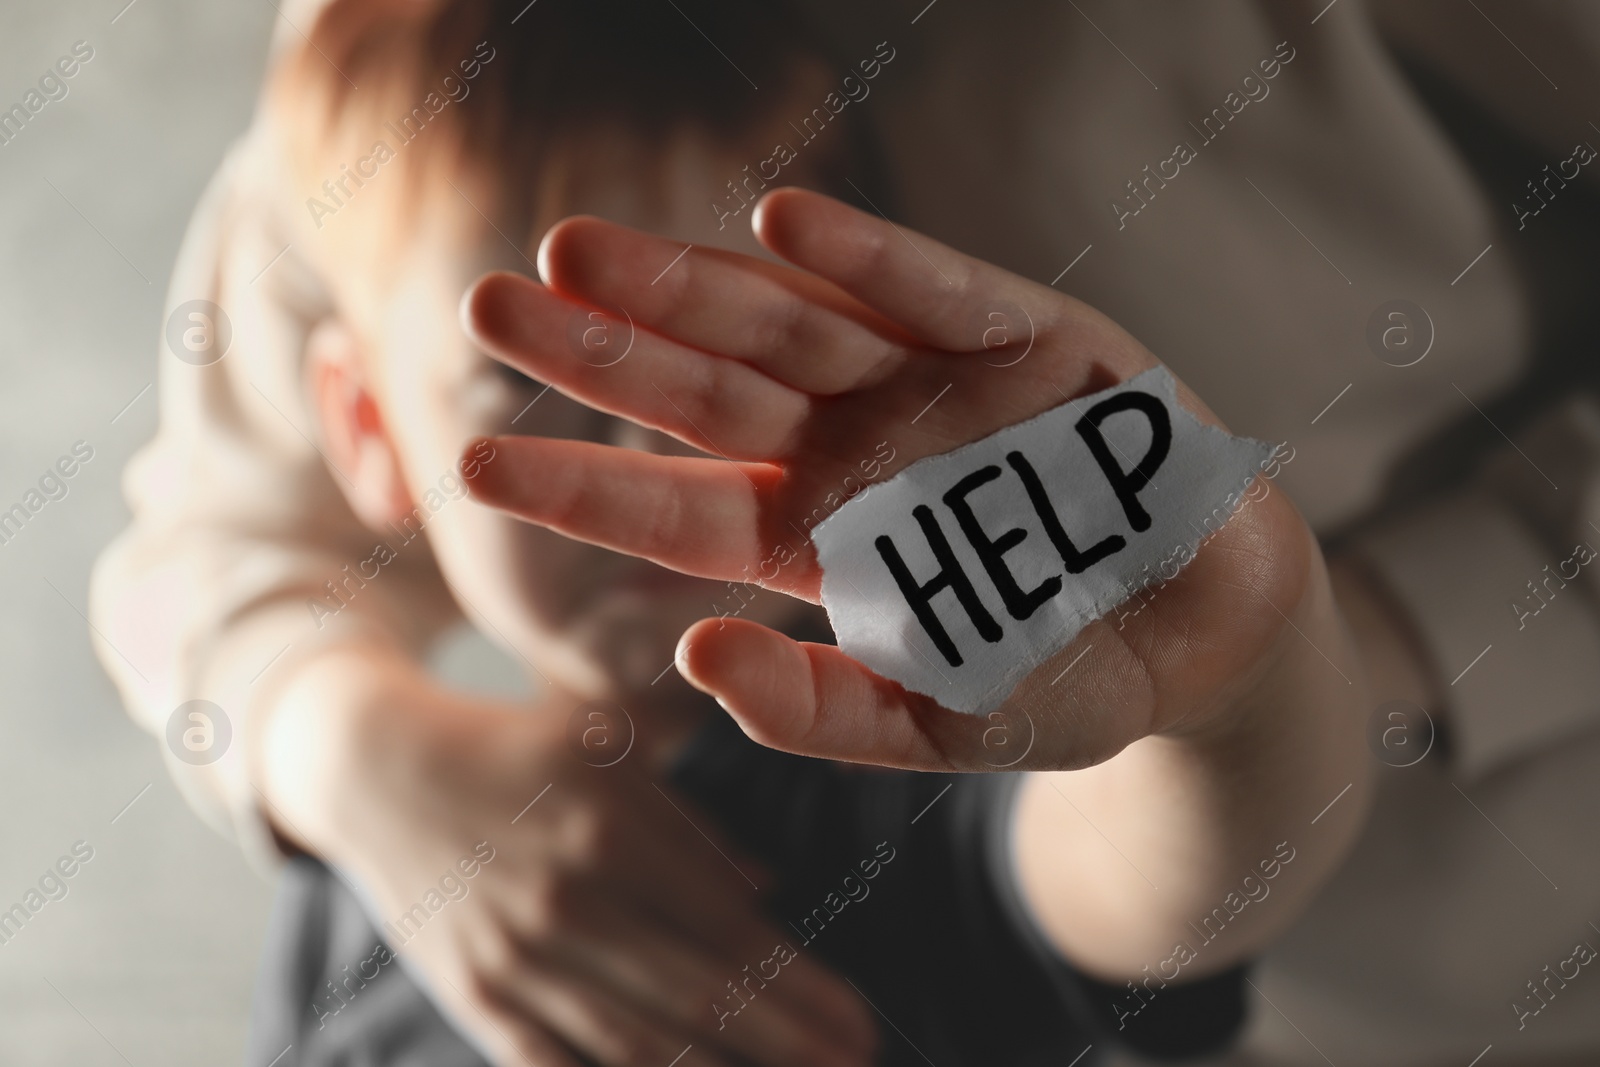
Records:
x=961, y=574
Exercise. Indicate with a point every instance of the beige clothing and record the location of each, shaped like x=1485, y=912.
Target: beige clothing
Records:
x=1009, y=130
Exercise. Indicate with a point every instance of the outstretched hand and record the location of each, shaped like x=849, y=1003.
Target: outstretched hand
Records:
x=788, y=379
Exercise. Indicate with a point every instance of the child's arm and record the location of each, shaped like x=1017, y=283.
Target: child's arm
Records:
x=217, y=591
x=602, y=927
x=1235, y=699
x=1215, y=828
x=238, y=562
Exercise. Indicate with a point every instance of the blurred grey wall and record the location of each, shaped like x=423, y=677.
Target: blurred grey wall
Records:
x=149, y=957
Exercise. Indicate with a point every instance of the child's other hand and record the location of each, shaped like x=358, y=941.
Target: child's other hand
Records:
x=604, y=927
x=787, y=379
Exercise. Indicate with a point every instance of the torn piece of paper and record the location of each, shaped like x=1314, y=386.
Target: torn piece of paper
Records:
x=965, y=571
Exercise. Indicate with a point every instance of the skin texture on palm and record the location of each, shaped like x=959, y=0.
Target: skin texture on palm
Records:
x=784, y=377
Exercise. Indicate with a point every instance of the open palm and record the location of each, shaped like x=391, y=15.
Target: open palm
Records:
x=790, y=381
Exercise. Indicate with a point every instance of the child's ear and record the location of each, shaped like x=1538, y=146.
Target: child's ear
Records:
x=354, y=435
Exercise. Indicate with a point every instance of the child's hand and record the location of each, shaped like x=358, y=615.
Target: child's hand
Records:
x=603, y=927
x=789, y=379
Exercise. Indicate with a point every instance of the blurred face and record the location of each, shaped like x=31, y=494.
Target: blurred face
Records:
x=590, y=621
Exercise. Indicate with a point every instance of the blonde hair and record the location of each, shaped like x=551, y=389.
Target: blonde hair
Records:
x=386, y=101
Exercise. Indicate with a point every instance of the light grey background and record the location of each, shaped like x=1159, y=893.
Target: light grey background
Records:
x=152, y=952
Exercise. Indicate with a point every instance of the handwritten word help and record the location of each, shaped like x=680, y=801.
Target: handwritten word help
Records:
x=965, y=571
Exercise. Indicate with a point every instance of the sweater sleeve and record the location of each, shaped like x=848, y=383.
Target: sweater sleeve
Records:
x=1499, y=582
x=1496, y=577
x=222, y=579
